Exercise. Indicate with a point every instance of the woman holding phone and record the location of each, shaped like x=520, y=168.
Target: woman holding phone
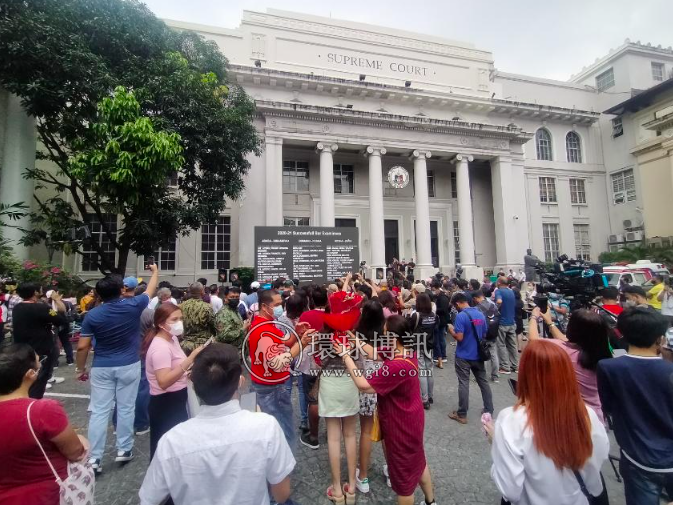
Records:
x=166, y=366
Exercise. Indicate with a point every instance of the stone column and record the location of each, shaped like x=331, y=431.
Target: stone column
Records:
x=274, y=181
x=18, y=154
x=376, y=235
x=467, y=257
x=423, y=248
x=510, y=213
x=326, y=183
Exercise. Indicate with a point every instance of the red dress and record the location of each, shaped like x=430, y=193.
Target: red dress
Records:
x=26, y=478
x=402, y=420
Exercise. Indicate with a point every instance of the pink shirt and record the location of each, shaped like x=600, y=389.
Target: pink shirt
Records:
x=163, y=354
x=585, y=378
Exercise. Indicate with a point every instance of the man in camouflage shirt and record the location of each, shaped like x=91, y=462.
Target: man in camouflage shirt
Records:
x=229, y=326
x=198, y=319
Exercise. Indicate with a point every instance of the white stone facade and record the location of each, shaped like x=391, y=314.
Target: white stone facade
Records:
x=335, y=95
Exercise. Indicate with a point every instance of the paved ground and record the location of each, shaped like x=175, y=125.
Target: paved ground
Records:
x=458, y=455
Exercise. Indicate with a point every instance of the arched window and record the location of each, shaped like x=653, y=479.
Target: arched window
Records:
x=573, y=148
x=543, y=144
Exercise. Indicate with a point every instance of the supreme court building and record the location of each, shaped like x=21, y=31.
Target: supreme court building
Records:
x=419, y=142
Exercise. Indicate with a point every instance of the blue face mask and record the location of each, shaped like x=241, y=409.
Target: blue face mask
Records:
x=277, y=311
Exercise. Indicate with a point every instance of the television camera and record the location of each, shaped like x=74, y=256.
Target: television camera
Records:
x=578, y=281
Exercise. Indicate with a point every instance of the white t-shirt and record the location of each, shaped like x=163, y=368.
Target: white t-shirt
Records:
x=222, y=456
x=216, y=303
x=667, y=305
x=524, y=476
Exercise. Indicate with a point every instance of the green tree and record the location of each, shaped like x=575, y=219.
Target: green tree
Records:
x=631, y=254
x=85, y=50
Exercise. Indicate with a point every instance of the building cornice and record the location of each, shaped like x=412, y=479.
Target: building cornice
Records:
x=297, y=81
x=391, y=121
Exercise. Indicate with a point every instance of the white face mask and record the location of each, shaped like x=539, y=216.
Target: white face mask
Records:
x=176, y=329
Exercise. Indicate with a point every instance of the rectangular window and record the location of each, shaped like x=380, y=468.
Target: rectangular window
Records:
x=343, y=179
x=551, y=241
x=578, y=194
x=623, y=186
x=454, y=185
x=172, y=180
x=296, y=221
x=617, y=127
x=345, y=222
x=547, y=190
x=434, y=243
x=657, y=71
x=431, y=184
x=582, y=242
x=164, y=257
x=90, y=260
x=295, y=176
x=605, y=80
x=456, y=242
x=216, y=244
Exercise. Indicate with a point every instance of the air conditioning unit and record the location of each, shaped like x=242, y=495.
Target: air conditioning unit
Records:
x=633, y=236
x=627, y=223
x=615, y=239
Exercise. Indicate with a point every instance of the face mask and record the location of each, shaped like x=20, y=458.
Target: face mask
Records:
x=232, y=302
x=630, y=303
x=277, y=312
x=176, y=329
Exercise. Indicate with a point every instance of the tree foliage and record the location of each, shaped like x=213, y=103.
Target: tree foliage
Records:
x=631, y=254
x=66, y=78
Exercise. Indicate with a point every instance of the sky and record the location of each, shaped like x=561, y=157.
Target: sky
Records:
x=543, y=38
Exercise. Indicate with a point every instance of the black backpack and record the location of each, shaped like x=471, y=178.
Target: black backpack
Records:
x=492, y=320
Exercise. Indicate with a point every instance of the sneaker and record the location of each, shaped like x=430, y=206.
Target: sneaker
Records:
x=431, y=401
x=385, y=471
x=71, y=363
x=423, y=502
x=426, y=405
x=55, y=367
x=62, y=353
x=362, y=485
x=48, y=386
x=95, y=464
x=388, y=482
x=504, y=372
x=303, y=427
x=56, y=380
x=123, y=456
x=495, y=380
x=306, y=439
x=142, y=431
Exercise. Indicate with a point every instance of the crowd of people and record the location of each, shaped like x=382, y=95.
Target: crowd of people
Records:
x=183, y=365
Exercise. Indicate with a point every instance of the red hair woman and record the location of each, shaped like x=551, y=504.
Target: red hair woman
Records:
x=166, y=367
x=550, y=446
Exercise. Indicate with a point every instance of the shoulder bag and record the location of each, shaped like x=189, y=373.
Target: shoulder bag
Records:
x=78, y=487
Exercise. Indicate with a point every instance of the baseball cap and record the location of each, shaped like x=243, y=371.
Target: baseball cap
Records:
x=254, y=285
x=288, y=284
x=130, y=282
x=419, y=288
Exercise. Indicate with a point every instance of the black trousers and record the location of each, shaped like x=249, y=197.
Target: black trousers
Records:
x=40, y=385
x=64, y=337
x=166, y=411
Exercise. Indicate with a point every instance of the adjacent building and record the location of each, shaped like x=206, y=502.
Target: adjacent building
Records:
x=418, y=141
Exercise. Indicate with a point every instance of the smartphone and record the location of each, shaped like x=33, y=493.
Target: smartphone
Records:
x=512, y=385
x=249, y=401
x=149, y=261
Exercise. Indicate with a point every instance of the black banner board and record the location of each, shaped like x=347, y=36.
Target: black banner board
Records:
x=307, y=253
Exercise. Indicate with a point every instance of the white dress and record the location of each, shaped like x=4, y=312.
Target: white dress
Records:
x=526, y=477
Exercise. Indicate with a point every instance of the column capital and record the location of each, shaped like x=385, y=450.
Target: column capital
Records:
x=462, y=157
x=375, y=151
x=418, y=154
x=326, y=146
x=278, y=141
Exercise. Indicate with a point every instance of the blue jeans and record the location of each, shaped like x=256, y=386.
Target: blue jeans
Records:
x=439, y=346
x=641, y=487
x=303, y=405
x=142, y=419
x=108, y=384
x=276, y=400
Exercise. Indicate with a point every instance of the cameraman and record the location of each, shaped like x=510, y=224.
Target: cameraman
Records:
x=560, y=309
